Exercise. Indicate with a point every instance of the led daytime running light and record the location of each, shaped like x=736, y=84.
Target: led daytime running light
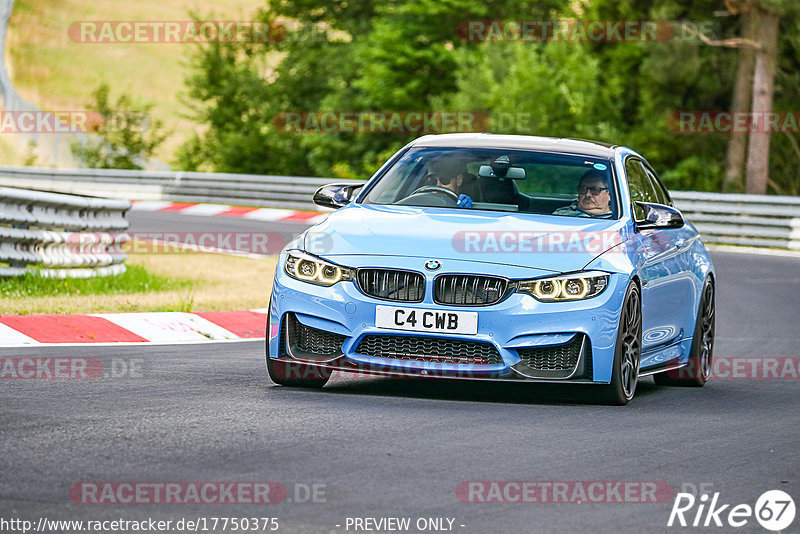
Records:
x=314, y=270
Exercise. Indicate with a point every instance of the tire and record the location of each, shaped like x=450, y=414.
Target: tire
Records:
x=294, y=374
x=698, y=371
x=627, y=352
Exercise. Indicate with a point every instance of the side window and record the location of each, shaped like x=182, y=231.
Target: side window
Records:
x=639, y=186
x=661, y=194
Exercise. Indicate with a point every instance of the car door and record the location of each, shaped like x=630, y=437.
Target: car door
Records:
x=664, y=276
x=683, y=238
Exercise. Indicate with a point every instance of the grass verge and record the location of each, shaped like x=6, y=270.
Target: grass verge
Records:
x=153, y=282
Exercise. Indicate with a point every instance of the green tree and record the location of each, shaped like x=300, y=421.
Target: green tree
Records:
x=407, y=55
x=124, y=137
x=551, y=89
x=396, y=56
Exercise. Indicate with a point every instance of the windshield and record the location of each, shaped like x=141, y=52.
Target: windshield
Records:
x=499, y=180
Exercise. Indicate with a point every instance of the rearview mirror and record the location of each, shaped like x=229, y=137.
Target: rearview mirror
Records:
x=512, y=173
x=658, y=216
x=336, y=195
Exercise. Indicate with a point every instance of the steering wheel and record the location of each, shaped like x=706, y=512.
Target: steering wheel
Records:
x=436, y=189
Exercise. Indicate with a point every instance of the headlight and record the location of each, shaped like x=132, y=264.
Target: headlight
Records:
x=575, y=286
x=313, y=270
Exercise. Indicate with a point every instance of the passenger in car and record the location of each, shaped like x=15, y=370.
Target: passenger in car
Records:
x=594, y=198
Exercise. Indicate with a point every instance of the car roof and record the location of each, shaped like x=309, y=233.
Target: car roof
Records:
x=560, y=145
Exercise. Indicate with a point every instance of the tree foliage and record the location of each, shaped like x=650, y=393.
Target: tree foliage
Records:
x=407, y=55
x=124, y=137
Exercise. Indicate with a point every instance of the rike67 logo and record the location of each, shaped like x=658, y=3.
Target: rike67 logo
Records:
x=774, y=510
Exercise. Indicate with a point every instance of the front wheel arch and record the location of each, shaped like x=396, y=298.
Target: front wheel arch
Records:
x=627, y=350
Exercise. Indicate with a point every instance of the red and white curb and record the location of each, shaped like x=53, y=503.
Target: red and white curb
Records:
x=132, y=328
x=223, y=210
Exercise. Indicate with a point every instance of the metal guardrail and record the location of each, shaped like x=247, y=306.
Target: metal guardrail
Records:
x=59, y=236
x=290, y=192
x=754, y=220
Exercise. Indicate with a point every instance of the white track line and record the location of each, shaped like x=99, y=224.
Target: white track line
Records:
x=268, y=214
x=150, y=205
x=13, y=338
x=167, y=327
x=204, y=210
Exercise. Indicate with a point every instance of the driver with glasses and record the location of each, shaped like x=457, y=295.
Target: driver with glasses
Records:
x=594, y=198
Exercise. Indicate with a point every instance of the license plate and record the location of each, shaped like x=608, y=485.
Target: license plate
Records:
x=422, y=320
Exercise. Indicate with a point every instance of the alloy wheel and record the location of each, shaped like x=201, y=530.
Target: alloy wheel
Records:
x=631, y=345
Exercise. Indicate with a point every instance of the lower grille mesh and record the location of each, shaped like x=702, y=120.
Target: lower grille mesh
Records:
x=558, y=358
x=429, y=349
x=305, y=341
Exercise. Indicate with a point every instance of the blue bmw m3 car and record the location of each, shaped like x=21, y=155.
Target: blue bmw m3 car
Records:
x=498, y=257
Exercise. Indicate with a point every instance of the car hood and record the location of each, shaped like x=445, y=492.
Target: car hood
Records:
x=542, y=242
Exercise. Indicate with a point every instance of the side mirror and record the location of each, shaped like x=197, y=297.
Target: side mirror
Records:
x=657, y=216
x=335, y=195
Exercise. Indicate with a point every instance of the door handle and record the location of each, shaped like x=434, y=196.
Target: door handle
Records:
x=680, y=242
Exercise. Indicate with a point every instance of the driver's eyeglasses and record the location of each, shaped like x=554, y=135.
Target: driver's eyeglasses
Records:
x=582, y=190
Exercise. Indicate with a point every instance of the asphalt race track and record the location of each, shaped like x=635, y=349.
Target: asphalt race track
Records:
x=392, y=448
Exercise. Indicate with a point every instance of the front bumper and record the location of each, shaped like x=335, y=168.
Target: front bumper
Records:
x=515, y=328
